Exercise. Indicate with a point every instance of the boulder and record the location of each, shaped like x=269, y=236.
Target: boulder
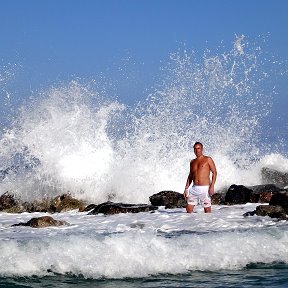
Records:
x=7, y=201
x=42, y=222
x=271, y=211
x=43, y=205
x=238, y=194
x=169, y=199
x=217, y=199
x=263, y=193
x=109, y=208
x=280, y=199
x=62, y=203
x=273, y=176
x=65, y=203
x=88, y=208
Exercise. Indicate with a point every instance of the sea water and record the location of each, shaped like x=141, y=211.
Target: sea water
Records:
x=167, y=248
x=74, y=138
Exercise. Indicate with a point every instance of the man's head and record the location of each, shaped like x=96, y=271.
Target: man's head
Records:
x=198, y=149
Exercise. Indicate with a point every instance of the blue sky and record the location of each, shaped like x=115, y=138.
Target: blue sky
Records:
x=60, y=40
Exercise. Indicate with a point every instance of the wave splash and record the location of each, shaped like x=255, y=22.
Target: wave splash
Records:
x=75, y=139
x=140, y=255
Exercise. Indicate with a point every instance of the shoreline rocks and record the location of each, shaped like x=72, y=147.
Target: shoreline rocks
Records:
x=110, y=208
x=42, y=222
x=277, y=208
x=169, y=199
x=235, y=194
x=7, y=201
x=61, y=203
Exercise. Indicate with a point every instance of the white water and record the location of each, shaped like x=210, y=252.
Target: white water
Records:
x=138, y=245
x=74, y=138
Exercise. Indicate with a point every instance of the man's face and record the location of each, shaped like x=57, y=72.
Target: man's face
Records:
x=198, y=149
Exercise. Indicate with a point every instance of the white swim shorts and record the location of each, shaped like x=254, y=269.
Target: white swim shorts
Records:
x=198, y=194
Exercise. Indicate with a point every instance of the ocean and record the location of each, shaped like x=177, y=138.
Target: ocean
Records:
x=75, y=138
x=167, y=248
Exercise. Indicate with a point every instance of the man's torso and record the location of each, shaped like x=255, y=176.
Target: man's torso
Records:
x=200, y=171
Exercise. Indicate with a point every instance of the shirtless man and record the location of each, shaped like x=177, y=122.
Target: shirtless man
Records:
x=199, y=174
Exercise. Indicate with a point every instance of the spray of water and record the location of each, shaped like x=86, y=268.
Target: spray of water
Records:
x=74, y=139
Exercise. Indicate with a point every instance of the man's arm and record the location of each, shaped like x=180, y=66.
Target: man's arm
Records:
x=214, y=175
x=188, y=182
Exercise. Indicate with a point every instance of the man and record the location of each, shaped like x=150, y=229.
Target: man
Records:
x=199, y=174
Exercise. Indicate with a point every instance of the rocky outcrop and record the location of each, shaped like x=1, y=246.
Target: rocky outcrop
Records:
x=109, y=208
x=275, y=177
x=218, y=199
x=65, y=203
x=169, y=199
x=238, y=194
x=89, y=207
x=61, y=203
x=42, y=222
x=280, y=199
x=271, y=211
x=277, y=208
x=7, y=201
x=263, y=193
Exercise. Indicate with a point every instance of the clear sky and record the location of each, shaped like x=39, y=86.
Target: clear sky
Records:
x=46, y=42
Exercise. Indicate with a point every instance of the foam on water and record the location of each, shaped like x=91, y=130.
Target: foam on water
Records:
x=139, y=245
x=73, y=138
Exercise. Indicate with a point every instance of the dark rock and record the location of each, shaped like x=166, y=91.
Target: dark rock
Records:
x=271, y=211
x=61, y=203
x=109, y=208
x=217, y=199
x=7, y=201
x=43, y=205
x=265, y=188
x=281, y=199
x=237, y=194
x=15, y=209
x=263, y=193
x=89, y=207
x=65, y=203
x=275, y=177
x=169, y=199
x=250, y=213
x=41, y=222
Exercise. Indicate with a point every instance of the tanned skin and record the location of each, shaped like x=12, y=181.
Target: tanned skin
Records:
x=200, y=169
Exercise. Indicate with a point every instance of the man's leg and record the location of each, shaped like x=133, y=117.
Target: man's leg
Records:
x=207, y=209
x=189, y=208
x=206, y=202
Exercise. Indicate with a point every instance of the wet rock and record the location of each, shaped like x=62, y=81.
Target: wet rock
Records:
x=249, y=213
x=263, y=193
x=271, y=211
x=89, y=207
x=217, y=199
x=169, y=199
x=43, y=205
x=42, y=222
x=275, y=177
x=280, y=199
x=65, y=203
x=238, y=194
x=7, y=201
x=109, y=208
x=15, y=209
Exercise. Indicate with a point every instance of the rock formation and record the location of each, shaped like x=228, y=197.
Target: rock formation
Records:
x=42, y=222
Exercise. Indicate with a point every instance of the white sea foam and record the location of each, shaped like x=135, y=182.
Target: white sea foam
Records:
x=73, y=138
x=138, y=245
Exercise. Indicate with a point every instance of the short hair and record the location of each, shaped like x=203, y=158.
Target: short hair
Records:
x=198, y=143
